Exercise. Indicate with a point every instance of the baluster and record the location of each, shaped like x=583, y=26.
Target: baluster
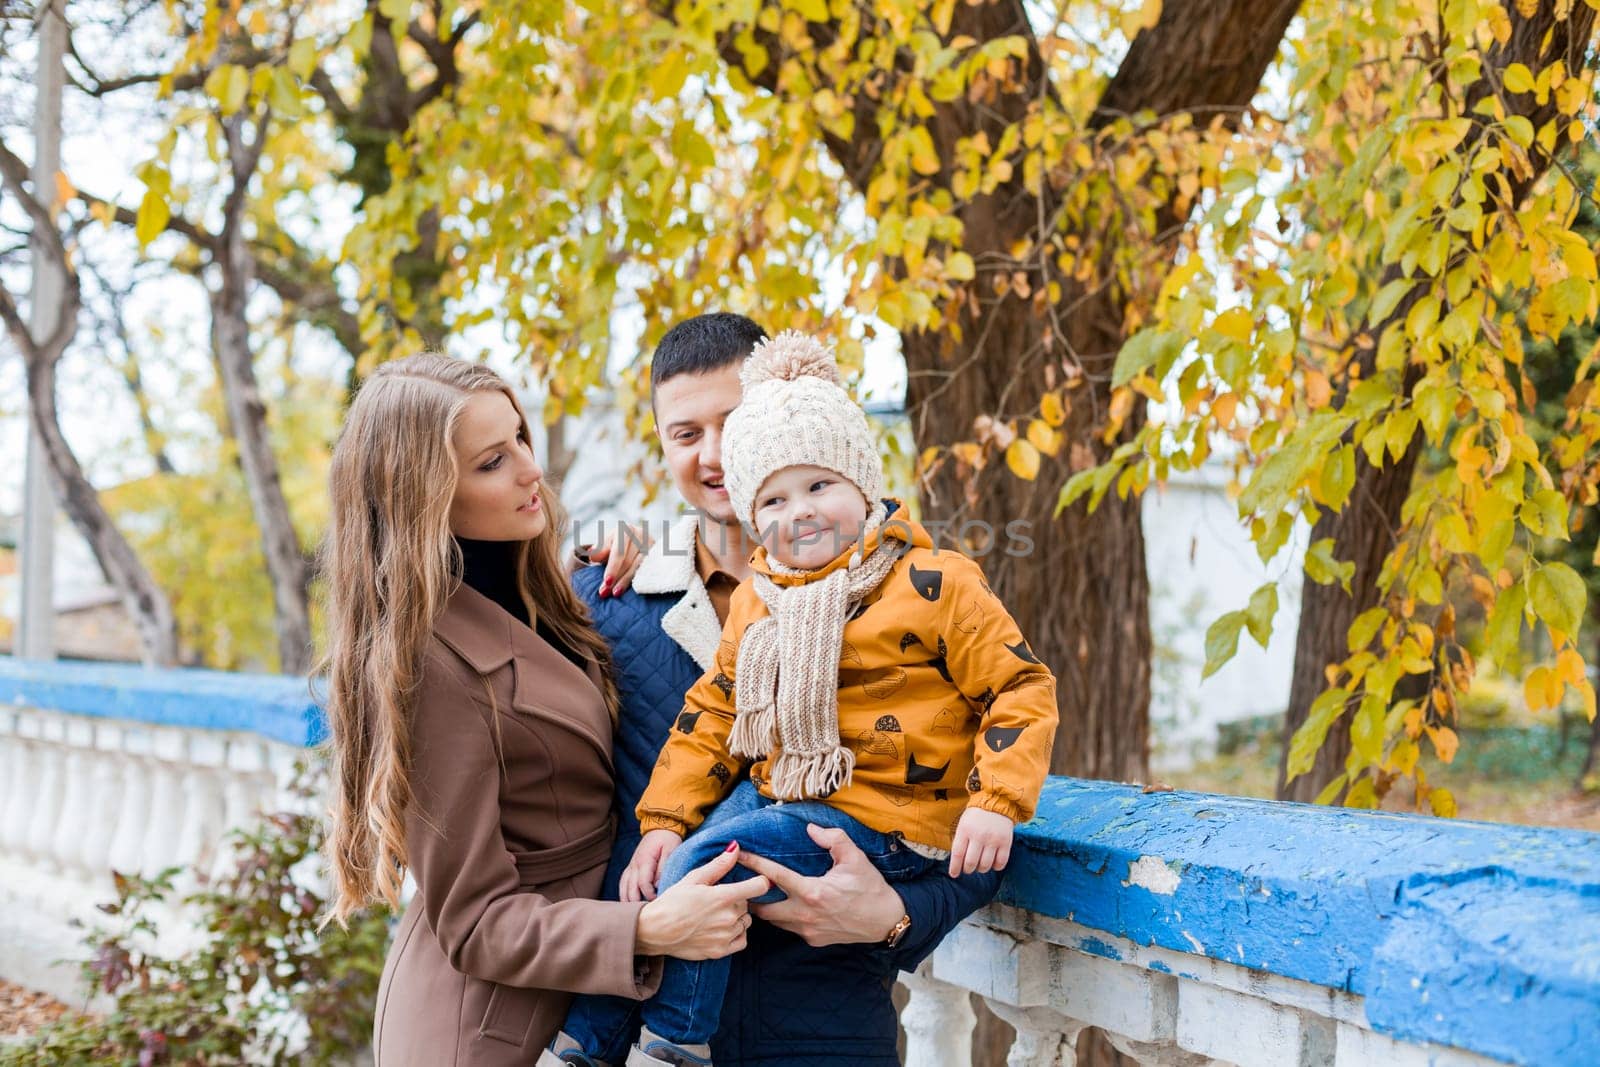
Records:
x=1044, y=1038
x=106, y=769
x=47, y=805
x=938, y=1021
x=160, y=847
x=242, y=792
x=127, y=853
x=17, y=787
x=201, y=832
x=79, y=793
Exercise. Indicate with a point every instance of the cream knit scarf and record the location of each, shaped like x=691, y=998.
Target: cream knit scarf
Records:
x=795, y=710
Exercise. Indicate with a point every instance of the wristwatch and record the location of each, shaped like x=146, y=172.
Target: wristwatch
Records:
x=897, y=932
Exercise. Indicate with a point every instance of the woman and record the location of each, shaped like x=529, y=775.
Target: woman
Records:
x=471, y=720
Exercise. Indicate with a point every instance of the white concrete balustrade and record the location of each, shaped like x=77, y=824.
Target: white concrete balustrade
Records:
x=83, y=795
x=1030, y=973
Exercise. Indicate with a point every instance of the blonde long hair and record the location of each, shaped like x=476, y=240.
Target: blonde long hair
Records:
x=391, y=565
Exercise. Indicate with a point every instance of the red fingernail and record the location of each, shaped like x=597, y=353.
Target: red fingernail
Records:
x=605, y=587
x=733, y=846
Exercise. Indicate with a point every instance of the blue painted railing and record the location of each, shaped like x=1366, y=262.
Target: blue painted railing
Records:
x=1475, y=935
x=274, y=706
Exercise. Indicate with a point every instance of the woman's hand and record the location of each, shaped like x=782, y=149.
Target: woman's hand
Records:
x=622, y=554
x=638, y=882
x=696, y=919
x=982, y=844
x=849, y=905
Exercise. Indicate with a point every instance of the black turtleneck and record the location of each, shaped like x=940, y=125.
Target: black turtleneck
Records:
x=490, y=567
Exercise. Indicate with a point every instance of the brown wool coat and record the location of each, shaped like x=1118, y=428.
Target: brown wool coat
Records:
x=507, y=851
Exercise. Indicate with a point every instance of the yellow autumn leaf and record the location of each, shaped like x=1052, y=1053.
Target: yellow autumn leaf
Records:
x=1445, y=742
x=959, y=267
x=1043, y=437
x=1442, y=803
x=1235, y=323
x=1318, y=390
x=1023, y=459
x=1052, y=408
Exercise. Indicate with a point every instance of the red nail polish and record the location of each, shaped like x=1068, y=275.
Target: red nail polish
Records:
x=733, y=846
x=605, y=587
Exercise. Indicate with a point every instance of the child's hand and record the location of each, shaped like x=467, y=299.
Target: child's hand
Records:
x=644, y=870
x=983, y=842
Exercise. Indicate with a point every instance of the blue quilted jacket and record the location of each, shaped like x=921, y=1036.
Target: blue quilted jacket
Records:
x=787, y=1004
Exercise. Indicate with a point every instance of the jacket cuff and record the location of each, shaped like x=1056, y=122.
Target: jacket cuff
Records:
x=1001, y=805
x=655, y=821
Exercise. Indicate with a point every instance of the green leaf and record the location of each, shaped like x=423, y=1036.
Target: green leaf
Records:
x=1144, y=350
x=1388, y=299
x=812, y=10
x=1503, y=634
x=1263, y=607
x=1324, y=568
x=1518, y=79
x=152, y=217
x=1338, y=477
x=1435, y=403
x=395, y=10
x=1222, y=641
x=1331, y=790
x=1307, y=740
x=1365, y=628
x=1366, y=730
x=228, y=85
x=1559, y=596
x=303, y=58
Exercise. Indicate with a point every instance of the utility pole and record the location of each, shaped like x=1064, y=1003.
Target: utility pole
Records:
x=36, y=638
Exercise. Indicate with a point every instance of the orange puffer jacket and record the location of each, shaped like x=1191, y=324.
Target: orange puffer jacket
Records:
x=940, y=699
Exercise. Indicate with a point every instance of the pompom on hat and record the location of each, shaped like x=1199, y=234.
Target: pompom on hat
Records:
x=795, y=412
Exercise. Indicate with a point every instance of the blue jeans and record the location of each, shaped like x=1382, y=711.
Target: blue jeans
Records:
x=686, y=1009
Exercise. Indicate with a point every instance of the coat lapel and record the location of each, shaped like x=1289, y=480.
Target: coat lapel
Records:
x=669, y=568
x=545, y=683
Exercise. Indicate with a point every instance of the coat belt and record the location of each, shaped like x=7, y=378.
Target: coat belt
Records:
x=576, y=856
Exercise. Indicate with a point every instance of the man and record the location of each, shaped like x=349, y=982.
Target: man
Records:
x=804, y=992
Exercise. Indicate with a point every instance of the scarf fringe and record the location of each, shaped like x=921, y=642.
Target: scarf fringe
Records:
x=754, y=733
x=811, y=775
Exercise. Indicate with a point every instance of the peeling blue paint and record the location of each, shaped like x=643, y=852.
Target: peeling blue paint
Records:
x=1096, y=947
x=274, y=706
x=1473, y=935
x=1157, y=965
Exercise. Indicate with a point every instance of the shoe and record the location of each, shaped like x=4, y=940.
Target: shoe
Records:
x=569, y=1056
x=653, y=1050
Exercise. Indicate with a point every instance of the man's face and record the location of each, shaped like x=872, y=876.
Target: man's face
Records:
x=690, y=411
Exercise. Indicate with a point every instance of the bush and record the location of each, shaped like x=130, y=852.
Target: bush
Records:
x=263, y=985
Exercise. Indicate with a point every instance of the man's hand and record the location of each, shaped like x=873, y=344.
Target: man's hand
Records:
x=849, y=905
x=638, y=882
x=982, y=844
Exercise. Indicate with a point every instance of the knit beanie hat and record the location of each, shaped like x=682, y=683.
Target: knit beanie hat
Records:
x=795, y=412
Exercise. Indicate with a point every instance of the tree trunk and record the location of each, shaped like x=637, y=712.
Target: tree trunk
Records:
x=1364, y=532
x=247, y=417
x=143, y=599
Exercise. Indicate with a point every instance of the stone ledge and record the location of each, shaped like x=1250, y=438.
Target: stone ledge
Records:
x=273, y=706
x=1478, y=936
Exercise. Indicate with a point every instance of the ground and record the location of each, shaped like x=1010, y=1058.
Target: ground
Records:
x=23, y=1010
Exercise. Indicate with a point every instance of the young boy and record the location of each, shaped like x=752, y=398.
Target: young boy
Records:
x=865, y=681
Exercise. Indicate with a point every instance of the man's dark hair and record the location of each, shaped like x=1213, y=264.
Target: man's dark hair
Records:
x=704, y=343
